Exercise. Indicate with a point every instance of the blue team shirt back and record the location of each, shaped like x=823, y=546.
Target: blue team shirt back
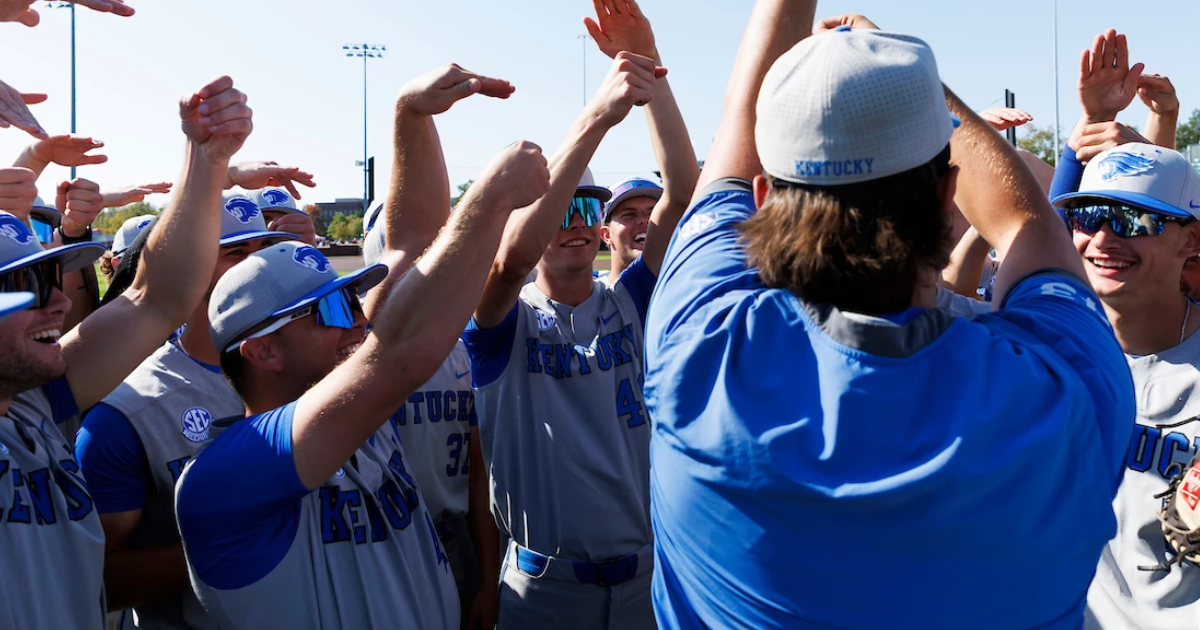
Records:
x=817, y=469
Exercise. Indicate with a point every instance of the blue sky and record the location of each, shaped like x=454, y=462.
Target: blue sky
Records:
x=307, y=96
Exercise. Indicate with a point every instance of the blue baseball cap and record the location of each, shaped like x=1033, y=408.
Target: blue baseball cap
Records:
x=629, y=188
x=12, y=302
x=19, y=247
x=243, y=221
x=1142, y=175
x=276, y=281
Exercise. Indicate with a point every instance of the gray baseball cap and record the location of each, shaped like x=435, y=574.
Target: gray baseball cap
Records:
x=243, y=220
x=20, y=248
x=129, y=231
x=12, y=302
x=276, y=281
x=276, y=200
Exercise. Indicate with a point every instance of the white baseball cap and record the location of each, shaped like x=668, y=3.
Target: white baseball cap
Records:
x=850, y=106
x=276, y=200
x=588, y=188
x=1143, y=175
x=20, y=248
x=12, y=302
x=129, y=231
x=243, y=221
x=373, y=215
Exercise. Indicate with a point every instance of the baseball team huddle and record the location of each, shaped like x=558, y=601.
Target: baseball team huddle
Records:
x=872, y=367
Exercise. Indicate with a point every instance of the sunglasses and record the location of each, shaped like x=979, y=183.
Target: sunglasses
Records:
x=588, y=208
x=40, y=279
x=1125, y=221
x=336, y=310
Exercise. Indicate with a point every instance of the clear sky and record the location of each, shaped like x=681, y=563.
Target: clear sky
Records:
x=308, y=103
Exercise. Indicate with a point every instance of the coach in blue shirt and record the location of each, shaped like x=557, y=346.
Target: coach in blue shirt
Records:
x=829, y=450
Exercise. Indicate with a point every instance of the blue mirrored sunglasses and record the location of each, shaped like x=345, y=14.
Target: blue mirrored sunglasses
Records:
x=44, y=231
x=588, y=208
x=336, y=310
x=40, y=279
x=1125, y=221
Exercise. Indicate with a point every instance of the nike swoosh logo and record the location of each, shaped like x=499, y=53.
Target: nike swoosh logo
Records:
x=607, y=319
x=457, y=375
x=1193, y=206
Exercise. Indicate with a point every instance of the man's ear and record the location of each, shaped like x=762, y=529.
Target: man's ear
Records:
x=947, y=187
x=606, y=235
x=262, y=354
x=760, y=190
x=1191, y=244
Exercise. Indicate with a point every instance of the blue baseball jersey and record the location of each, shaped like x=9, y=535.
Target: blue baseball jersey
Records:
x=264, y=551
x=813, y=468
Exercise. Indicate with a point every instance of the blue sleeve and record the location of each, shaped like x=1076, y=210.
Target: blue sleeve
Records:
x=705, y=259
x=490, y=348
x=1062, y=315
x=238, y=502
x=62, y=399
x=113, y=460
x=639, y=281
x=1067, y=177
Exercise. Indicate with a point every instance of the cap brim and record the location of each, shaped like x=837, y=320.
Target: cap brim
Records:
x=242, y=237
x=361, y=281
x=1130, y=198
x=12, y=302
x=599, y=192
x=47, y=215
x=71, y=257
x=283, y=210
x=653, y=193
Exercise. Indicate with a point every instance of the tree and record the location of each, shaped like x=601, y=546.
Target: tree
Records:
x=462, y=190
x=111, y=219
x=338, y=229
x=314, y=212
x=1188, y=133
x=1040, y=142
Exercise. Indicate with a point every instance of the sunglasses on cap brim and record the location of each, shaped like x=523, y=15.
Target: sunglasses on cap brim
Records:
x=40, y=279
x=589, y=209
x=336, y=310
x=1124, y=220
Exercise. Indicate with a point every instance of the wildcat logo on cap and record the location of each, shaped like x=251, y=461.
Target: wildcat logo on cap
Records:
x=142, y=224
x=277, y=197
x=13, y=228
x=308, y=256
x=1124, y=164
x=242, y=209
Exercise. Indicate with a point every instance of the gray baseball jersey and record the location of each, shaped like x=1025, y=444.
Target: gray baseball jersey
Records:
x=263, y=551
x=564, y=432
x=51, y=542
x=169, y=402
x=1126, y=592
x=435, y=427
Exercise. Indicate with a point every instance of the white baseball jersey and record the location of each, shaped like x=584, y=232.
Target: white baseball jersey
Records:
x=1127, y=593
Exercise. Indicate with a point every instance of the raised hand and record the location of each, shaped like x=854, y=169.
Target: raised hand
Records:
x=299, y=225
x=630, y=82
x=1158, y=93
x=66, y=150
x=853, y=20
x=17, y=190
x=519, y=175
x=437, y=91
x=1097, y=138
x=132, y=194
x=256, y=175
x=620, y=26
x=14, y=113
x=1002, y=118
x=19, y=11
x=1107, y=85
x=217, y=119
x=79, y=201
x=116, y=7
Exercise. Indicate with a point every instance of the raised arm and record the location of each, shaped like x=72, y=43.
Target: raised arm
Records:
x=179, y=257
x=621, y=26
x=630, y=81
x=1000, y=197
x=418, y=321
x=1159, y=96
x=418, y=200
x=775, y=27
x=63, y=150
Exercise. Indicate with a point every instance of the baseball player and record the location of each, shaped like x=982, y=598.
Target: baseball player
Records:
x=134, y=445
x=440, y=430
x=557, y=372
x=333, y=511
x=816, y=414
x=281, y=213
x=1134, y=224
x=51, y=539
x=626, y=221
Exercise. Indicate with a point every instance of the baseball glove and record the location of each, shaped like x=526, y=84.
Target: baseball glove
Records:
x=1180, y=515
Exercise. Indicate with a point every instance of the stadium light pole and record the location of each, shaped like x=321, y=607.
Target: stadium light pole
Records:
x=1057, y=145
x=584, y=40
x=71, y=6
x=366, y=51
